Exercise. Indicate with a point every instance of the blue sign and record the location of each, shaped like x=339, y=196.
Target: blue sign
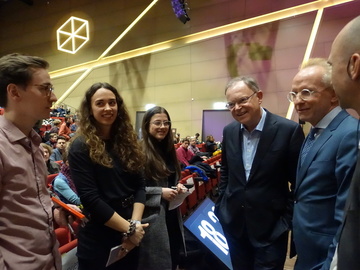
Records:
x=206, y=227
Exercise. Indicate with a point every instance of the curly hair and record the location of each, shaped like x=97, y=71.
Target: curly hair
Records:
x=155, y=165
x=122, y=134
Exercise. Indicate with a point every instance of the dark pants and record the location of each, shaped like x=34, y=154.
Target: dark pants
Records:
x=129, y=262
x=245, y=256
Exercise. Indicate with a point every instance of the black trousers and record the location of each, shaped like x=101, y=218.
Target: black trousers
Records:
x=246, y=256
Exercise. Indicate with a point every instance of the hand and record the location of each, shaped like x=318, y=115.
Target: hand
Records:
x=126, y=247
x=181, y=188
x=63, y=217
x=169, y=194
x=138, y=234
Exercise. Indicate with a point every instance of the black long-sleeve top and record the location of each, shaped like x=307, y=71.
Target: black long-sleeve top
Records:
x=102, y=189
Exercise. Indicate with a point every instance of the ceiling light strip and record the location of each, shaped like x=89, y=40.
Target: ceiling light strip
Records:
x=128, y=29
x=308, y=51
x=91, y=67
x=278, y=15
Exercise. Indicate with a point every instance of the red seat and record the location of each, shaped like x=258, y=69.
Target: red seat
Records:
x=50, y=178
x=185, y=173
x=192, y=199
x=60, y=162
x=63, y=235
x=200, y=188
x=68, y=246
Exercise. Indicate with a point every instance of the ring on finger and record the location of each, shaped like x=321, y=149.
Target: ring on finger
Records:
x=124, y=249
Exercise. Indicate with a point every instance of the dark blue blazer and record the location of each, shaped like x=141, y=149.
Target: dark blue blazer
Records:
x=263, y=204
x=322, y=186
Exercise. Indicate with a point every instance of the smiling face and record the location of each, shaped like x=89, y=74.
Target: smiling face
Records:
x=156, y=131
x=249, y=112
x=322, y=101
x=104, y=109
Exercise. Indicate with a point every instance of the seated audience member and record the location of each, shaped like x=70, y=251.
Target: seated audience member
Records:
x=73, y=127
x=193, y=148
x=52, y=140
x=63, y=184
x=61, y=111
x=210, y=144
x=183, y=153
x=52, y=167
x=197, y=138
x=59, y=150
x=196, y=151
x=65, y=128
x=177, y=138
x=56, y=126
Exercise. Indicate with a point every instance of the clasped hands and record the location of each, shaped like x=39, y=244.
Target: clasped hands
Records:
x=132, y=241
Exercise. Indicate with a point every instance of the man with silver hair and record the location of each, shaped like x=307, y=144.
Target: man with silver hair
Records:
x=325, y=167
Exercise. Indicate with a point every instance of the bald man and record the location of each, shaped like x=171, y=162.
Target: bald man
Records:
x=345, y=61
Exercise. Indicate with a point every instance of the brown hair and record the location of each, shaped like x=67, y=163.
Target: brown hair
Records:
x=155, y=165
x=122, y=134
x=17, y=69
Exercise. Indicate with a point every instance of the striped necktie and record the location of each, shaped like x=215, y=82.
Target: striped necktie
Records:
x=308, y=144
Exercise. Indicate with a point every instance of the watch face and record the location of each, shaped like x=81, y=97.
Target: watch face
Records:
x=206, y=227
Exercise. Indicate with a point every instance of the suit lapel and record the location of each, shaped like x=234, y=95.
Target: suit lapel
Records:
x=239, y=146
x=266, y=139
x=323, y=138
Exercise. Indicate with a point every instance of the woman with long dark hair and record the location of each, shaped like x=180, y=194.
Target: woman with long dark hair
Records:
x=106, y=164
x=164, y=240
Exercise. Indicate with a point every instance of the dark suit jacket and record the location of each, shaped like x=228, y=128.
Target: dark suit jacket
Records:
x=264, y=203
x=349, y=243
x=322, y=185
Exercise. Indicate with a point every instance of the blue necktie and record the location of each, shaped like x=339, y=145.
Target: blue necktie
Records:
x=308, y=144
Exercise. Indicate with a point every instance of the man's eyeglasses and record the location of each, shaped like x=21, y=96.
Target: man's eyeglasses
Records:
x=304, y=94
x=241, y=101
x=159, y=123
x=47, y=88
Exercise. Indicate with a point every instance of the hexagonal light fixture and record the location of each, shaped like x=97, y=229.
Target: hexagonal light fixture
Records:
x=72, y=35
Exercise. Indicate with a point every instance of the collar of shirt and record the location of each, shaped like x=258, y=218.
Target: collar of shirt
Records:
x=326, y=120
x=260, y=125
x=14, y=134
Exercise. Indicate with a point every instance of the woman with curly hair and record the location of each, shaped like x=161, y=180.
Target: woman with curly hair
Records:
x=162, y=173
x=105, y=162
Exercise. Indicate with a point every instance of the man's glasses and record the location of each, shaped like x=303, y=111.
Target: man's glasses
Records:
x=241, y=101
x=159, y=123
x=304, y=94
x=47, y=88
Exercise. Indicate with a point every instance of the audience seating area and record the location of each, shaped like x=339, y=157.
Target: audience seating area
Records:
x=200, y=189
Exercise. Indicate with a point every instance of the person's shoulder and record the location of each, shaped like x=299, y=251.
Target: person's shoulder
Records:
x=78, y=143
x=232, y=125
x=281, y=120
x=347, y=125
x=350, y=120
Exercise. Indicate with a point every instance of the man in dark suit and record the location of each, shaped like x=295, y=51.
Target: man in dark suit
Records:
x=259, y=156
x=325, y=168
x=345, y=61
